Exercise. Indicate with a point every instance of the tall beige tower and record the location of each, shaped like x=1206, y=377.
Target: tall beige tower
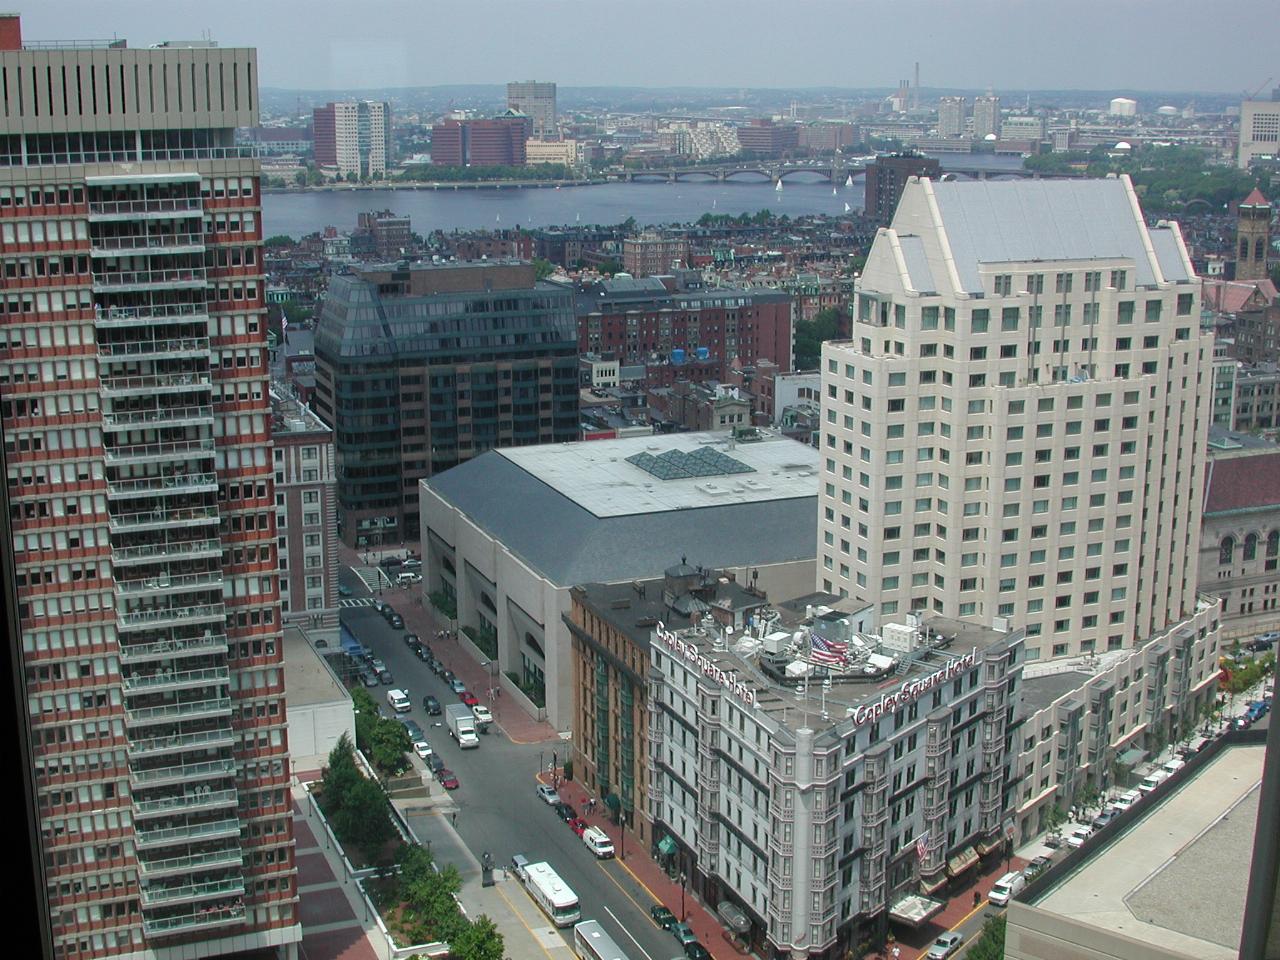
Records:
x=1253, y=237
x=1013, y=434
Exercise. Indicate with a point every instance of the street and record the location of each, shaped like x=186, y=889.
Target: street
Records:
x=497, y=809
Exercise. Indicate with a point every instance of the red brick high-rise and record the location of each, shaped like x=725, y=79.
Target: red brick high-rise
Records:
x=496, y=142
x=137, y=431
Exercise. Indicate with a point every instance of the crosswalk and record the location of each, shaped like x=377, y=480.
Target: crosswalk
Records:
x=356, y=602
x=374, y=578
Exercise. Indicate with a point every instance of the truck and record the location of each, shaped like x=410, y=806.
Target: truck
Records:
x=462, y=725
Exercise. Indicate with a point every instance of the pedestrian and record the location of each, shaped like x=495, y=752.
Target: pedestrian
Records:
x=455, y=822
x=977, y=899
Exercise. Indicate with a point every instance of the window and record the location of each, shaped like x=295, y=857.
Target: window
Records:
x=979, y=320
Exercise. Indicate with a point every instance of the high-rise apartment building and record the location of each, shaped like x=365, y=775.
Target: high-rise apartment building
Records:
x=136, y=423
x=951, y=117
x=1014, y=432
x=986, y=116
x=537, y=101
x=1259, y=129
x=353, y=136
x=886, y=178
x=494, y=142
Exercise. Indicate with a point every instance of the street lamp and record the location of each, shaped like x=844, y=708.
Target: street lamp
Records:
x=683, y=878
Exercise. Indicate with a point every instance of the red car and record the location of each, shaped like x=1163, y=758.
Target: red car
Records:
x=447, y=779
x=469, y=698
x=578, y=825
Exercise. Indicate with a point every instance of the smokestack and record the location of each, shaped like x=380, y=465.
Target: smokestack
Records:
x=915, y=96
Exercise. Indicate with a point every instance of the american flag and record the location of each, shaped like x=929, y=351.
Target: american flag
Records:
x=922, y=846
x=830, y=652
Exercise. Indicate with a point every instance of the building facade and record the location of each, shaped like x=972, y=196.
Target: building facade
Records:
x=1054, y=479
x=951, y=117
x=537, y=101
x=823, y=810
x=354, y=137
x=768, y=140
x=1259, y=129
x=887, y=177
x=986, y=117
x=495, y=142
x=306, y=518
x=652, y=253
x=137, y=434
x=1253, y=237
x=1257, y=399
x=422, y=366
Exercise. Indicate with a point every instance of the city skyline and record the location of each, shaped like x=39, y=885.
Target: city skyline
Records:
x=1040, y=45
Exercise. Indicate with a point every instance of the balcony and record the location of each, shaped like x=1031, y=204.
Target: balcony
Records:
x=154, y=519
x=170, y=616
x=161, y=552
x=154, y=896
x=158, y=776
x=188, y=802
x=112, y=387
x=152, y=243
x=181, y=450
x=184, y=710
x=165, y=584
x=187, y=833
x=203, y=740
x=167, y=649
x=154, y=349
x=188, y=923
x=127, y=281
x=162, y=417
x=214, y=858
x=206, y=482
x=150, y=209
x=158, y=313
x=181, y=680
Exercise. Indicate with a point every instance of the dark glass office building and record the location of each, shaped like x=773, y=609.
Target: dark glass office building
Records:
x=421, y=366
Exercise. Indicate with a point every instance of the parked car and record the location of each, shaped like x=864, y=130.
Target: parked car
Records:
x=368, y=678
x=1173, y=765
x=456, y=685
x=1078, y=836
x=410, y=639
x=437, y=668
x=1006, y=888
x=386, y=563
x=1126, y=800
x=376, y=665
x=1153, y=780
x=412, y=728
x=1036, y=867
x=469, y=698
x=662, y=916
x=564, y=811
x=577, y=825
x=447, y=778
x=448, y=677
x=344, y=590
x=422, y=749
x=683, y=933
x=385, y=678
x=408, y=579
x=396, y=621
x=945, y=946
x=388, y=612
x=548, y=794
x=431, y=705
x=411, y=564
x=696, y=951
x=435, y=763
x=1105, y=817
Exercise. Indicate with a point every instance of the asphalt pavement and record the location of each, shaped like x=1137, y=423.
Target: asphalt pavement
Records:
x=497, y=809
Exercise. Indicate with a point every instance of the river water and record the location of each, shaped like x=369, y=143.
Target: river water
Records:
x=297, y=214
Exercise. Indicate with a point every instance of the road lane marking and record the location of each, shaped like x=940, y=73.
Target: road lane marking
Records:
x=519, y=916
x=628, y=933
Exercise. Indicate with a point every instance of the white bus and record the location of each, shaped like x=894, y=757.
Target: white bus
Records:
x=552, y=894
x=590, y=942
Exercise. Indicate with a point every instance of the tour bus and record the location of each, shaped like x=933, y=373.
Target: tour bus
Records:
x=590, y=942
x=552, y=894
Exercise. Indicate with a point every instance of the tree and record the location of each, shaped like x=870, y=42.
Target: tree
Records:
x=990, y=942
x=388, y=745
x=279, y=240
x=363, y=819
x=479, y=940
x=610, y=267
x=341, y=774
x=1054, y=820
x=811, y=334
x=542, y=268
x=300, y=178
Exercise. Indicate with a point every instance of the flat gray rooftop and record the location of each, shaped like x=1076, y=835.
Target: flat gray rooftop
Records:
x=307, y=678
x=1178, y=878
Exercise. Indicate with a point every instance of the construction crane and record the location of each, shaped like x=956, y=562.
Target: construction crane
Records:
x=1262, y=86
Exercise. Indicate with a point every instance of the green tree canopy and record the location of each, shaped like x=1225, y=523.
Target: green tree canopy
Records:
x=341, y=773
x=480, y=940
x=811, y=334
x=279, y=240
x=990, y=942
x=388, y=745
x=363, y=818
x=542, y=268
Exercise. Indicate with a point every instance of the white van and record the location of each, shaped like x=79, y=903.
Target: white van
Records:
x=1149, y=783
x=399, y=701
x=1006, y=888
x=598, y=842
x=405, y=579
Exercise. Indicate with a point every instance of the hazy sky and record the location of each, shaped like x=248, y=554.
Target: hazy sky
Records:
x=1007, y=44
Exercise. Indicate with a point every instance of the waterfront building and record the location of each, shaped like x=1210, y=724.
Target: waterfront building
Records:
x=422, y=366
x=986, y=116
x=651, y=253
x=1259, y=129
x=563, y=152
x=494, y=142
x=1031, y=129
x=137, y=439
x=1253, y=237
x=507, y=535
x=353, y=137
x=306, y=517
x=951, y=117
x=886, y=178
x=769, y=140
x=537, y=101
x=828, y=136
x=1015, y=431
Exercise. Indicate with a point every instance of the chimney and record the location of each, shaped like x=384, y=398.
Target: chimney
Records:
x=10, y=31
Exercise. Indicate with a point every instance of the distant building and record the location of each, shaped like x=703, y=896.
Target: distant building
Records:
x=710, y=140
x=280, y=141
x=769, y=140
x=986, y=116
x=951, y=117
x=389, y=234
x=1259, y=129
x=1123, y=107
x=1253, y=237
x=564, y=152
x=353, y=136
x=306, y=518
x=424, y=366
x=651, y=253
x=1250, y=311
x=537, y=101
x=887, y=177
x=1032, y=129
x=701, y=406
x=495, y=142
x=1257, y=398
x=828, y=136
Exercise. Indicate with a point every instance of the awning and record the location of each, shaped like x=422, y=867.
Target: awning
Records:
x=1131, y=757
x=990, y=844
x=732, y=915
x=930, y=888
x=962, y=861
x=913, y=910
x=666, y=846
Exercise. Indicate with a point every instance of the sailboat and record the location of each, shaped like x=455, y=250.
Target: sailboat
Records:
x=577, y=218
x=778, y=187
x=847, y=208
x=833, y=191
x=713, y=203
x=849, y=181
x=499, y=218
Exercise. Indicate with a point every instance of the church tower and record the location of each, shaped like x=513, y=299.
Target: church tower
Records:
x=1253, y=237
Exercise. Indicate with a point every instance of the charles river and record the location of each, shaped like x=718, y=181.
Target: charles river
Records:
x=297, y=214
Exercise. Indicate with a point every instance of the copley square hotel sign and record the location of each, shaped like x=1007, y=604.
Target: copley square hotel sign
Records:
x=710, y=670
x=913, y=689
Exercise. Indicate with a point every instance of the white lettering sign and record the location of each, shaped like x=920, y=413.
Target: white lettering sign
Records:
x=912, y=689
x=712, y=671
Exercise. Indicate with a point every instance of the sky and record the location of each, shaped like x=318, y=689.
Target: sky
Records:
x=1180, y=45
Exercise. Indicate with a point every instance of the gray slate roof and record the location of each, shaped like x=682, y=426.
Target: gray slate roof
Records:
x=569, y=545
x=1027, y=220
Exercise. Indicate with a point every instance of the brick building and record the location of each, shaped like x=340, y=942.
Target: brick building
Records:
x=652, y=253
x=886, y=179
x=494, y=142
x=768, y=140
